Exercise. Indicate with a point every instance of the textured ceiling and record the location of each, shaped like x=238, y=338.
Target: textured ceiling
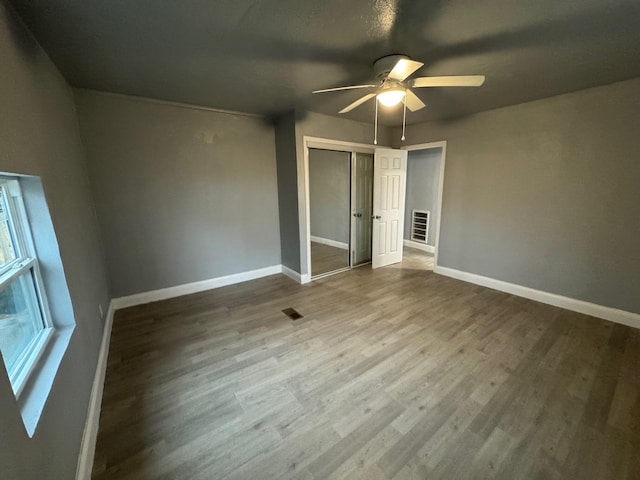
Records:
x=266, y=56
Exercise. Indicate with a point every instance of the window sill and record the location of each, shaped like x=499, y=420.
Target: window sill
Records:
x=34, y=396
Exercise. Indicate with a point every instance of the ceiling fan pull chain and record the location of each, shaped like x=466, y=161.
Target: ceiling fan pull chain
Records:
x=375, y=128
x=404, y=119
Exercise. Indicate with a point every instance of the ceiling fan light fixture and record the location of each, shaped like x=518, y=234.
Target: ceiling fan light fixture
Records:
x=392, y=96
x=394, y=86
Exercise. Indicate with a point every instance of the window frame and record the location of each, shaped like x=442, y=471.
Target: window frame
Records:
x=25, y=263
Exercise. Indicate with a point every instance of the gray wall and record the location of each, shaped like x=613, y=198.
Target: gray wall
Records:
x=288, y=190
x=182, y=194
x=330, y=194
x=39, y=136
x=423, y=182
x=334, y=128
x=545, y=194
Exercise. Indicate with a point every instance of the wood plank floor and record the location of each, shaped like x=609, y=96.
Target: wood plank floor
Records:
x=394, y=373
x=325, y=258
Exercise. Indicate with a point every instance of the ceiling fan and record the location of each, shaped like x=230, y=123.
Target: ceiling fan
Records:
x=392, y=85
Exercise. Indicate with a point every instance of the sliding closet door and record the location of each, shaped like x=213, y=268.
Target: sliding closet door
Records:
x=329, y=210
x=362, y=208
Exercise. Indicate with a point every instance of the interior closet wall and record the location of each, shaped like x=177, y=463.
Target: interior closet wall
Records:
x=287, y=180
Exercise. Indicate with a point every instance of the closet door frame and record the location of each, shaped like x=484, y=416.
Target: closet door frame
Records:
x=303, y=192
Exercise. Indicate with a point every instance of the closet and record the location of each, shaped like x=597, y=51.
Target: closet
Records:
x=340, y=209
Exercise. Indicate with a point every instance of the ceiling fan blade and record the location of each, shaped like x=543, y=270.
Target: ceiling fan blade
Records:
x=449, y=81
x=412, y=101
x=403, y=68
x=337, y=89
x=357, y=103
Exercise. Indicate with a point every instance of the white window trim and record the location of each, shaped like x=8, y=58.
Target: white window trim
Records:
x=27, y=261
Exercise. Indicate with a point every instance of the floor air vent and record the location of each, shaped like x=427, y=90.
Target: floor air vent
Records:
x=292, y=313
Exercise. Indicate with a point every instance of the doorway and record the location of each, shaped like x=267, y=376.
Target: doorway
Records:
x=425, y=177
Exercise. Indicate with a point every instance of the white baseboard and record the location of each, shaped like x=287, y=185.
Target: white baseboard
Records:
x=90, y=435
x=331, y=243
x=419, y=246
x=292, y=274
x=195, y=287
x=300, y=278
x=613, y=314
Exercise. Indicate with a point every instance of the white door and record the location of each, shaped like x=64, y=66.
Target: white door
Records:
x=389, y=186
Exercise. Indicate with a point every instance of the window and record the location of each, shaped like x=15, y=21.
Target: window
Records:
x=25, y=321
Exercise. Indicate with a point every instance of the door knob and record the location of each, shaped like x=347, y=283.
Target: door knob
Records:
x=377, y=217
x=357, y=215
